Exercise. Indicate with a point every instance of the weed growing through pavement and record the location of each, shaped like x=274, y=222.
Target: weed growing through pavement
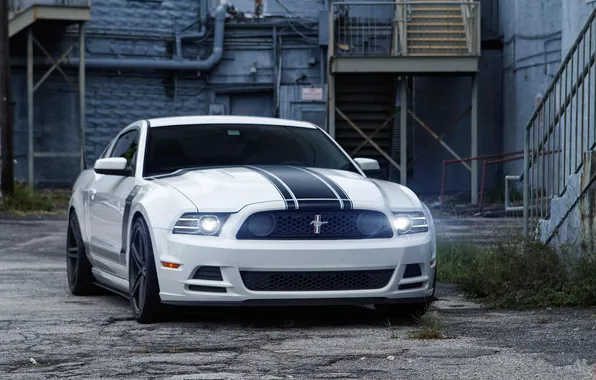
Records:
x=520, y=274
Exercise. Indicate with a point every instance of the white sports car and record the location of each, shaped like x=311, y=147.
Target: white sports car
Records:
x=234, y=210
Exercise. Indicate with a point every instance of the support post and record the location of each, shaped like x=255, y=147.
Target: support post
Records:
x=331, y=105
x=82, y=91
x=6, y=120
x=30, y=106
x=403, y=149
x=526, y=183
x=474, y=142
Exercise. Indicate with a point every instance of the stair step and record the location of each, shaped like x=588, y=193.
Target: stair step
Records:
x=441, y=47
x=424, y=17
x=434, y=55
x=438, y=39
x=421, y=24
x=450, y=9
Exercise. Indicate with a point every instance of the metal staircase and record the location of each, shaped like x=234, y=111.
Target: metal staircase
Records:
x=437, y=31
x=369, y=102
x=558, y=137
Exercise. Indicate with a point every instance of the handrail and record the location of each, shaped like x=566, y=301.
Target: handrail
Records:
x=467, y=159
x=381, y=28
x=559, y=121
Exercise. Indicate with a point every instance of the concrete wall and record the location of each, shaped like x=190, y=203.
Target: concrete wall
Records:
x=532, y=53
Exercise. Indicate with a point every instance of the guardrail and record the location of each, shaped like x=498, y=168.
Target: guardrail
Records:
x=368, y=29
x=16, y=6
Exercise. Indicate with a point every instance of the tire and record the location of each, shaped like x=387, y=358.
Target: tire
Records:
x=143, y=284
x=78, y=267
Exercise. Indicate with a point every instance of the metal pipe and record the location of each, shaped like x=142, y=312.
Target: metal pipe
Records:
x=525, y=181
x=403, y=143
x=192, y=35
x=474, y=142
x=82, y=91
x=30, y=113
x=171, y=64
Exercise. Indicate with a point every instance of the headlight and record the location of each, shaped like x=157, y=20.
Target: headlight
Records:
x=410, y=223
x=200, y=224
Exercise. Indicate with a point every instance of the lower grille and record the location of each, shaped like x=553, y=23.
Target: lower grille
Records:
x=316, y=281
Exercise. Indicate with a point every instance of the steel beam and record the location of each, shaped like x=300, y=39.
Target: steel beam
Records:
x=474, y=142
x=367, y=138
x=30, y=106
x=82, y=92
x=403, y=142
x=436, y=137
x=331, y=105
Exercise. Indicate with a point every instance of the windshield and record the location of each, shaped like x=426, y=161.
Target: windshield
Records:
x=187, y=146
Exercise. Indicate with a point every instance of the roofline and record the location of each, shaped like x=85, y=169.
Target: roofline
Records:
x=227, y=119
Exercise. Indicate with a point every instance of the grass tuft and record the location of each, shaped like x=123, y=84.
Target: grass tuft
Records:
x=520, y=275
x=430, y=327
x=27, y=200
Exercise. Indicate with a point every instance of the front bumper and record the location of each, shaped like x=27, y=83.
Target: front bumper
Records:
x=233, y=257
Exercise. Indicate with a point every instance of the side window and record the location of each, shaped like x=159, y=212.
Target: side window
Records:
x=126, y=146
x=106, y=150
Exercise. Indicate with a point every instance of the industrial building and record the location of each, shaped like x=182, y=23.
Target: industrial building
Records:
x=424, y=81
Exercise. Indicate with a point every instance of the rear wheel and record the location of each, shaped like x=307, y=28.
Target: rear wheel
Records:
x=144, y=287
x=78, y=267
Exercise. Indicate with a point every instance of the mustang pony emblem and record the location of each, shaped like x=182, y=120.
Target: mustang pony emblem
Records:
x=318, y=223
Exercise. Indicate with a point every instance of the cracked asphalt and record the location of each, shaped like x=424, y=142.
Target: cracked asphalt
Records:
x=45, y=333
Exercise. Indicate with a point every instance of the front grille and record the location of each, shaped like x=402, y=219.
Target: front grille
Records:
x=290, y=224
x=315, y=281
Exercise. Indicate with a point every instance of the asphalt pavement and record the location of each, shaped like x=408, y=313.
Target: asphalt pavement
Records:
x=46, y=333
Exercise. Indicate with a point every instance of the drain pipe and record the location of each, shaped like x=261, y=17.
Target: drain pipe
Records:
x=171, y=64
x=192, y=35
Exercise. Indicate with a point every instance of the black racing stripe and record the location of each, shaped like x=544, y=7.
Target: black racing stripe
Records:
x=305, y=186
x=127, y=206
x=348, y=205
x=285, y=194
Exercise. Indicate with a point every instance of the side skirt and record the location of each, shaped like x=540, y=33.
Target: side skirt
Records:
x=110, y=282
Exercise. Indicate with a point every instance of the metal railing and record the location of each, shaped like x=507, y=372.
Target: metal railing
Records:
x=563, y=122
x=16, y=6
x=401, y=28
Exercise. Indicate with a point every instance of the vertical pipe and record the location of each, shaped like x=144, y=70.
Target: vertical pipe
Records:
x=443, y=184
x=331, y=77
x=30, y=105
x=403, y=149
x=526, y=181
x=474, y=142
x=584, y=149
x=82, y=91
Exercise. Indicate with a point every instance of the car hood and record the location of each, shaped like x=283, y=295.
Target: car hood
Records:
x=229, y=189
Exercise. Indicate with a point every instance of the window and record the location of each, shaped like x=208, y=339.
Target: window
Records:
x=126, y=146
x=187, y=146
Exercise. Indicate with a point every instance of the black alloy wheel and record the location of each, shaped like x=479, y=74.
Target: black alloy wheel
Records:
x=144, y=287
x=78, y=267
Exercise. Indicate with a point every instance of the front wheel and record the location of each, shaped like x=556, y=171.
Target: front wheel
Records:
x=144, y=287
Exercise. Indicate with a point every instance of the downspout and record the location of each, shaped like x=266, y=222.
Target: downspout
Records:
x=192, y=35
x=172, y=64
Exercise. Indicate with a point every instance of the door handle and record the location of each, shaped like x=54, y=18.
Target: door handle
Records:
x=92, y=192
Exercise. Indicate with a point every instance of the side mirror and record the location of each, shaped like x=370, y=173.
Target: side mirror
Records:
x=367, y=164
x=113, y=166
